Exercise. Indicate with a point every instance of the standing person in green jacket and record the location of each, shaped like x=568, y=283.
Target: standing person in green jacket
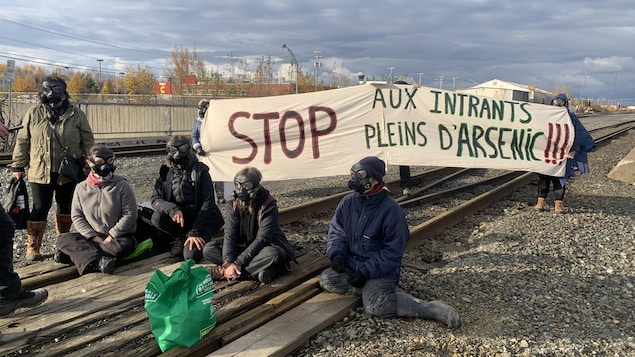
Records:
x=51, y=127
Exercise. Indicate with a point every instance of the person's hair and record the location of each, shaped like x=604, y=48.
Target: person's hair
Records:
x=254, y=175
x=251, y=173
x=99, y=148
x=55, y=79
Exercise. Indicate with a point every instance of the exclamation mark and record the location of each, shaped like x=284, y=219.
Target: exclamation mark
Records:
x=548, y=147
x=555, y=145
x=563, y=144
x=554, y=151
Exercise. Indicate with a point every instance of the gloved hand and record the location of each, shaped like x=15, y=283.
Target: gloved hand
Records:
x=357, y=279
x=200, y=151
x=338, y=264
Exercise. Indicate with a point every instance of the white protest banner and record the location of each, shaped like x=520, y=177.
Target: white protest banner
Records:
x=324, y=133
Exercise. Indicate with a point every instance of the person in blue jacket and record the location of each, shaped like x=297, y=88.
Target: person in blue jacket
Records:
x=202, y=107
x=366, y=241
x=576, y=160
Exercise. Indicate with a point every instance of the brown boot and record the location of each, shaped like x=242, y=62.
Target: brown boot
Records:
x=35, y=234
x=63, y=223
x=559, y=207
x=540, y=206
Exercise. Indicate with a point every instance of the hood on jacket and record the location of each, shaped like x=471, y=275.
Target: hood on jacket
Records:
x=561, y=96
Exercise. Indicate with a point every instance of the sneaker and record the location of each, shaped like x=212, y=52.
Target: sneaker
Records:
x=267, y=276
x=217, y=272
x=406, y=191
x=107, y=264
x=177, y=248
x=23, y=299
x=61, y=257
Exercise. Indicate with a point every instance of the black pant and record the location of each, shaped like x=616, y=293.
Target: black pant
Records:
x=545, y=182
x=270, y=257
x=404, y=176
x=43, y=198
x=165, y=223
x=84, y=251
x=8, y=277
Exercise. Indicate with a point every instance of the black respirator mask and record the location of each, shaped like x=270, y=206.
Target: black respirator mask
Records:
x=245, y=188
x=102, y=163
x=180, y=153
x=53, y=92
x=360, y=179
x=202, y=108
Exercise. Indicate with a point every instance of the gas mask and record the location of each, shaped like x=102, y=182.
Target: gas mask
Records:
x=360, y=179
x=102, y=163
x=53, y=92
x=180, y=153
x=245, y=188
x=202, y=107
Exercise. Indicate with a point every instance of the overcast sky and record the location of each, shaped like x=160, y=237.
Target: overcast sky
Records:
x=585, y=45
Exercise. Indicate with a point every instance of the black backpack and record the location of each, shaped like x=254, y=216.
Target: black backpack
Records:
x=16, y=202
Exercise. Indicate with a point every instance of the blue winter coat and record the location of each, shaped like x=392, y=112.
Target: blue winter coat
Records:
x=582, y=144
x=370, y=232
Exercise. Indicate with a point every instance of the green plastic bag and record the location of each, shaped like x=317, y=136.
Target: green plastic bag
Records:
x=180, y=306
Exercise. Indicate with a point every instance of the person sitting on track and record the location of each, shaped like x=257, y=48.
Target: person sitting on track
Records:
x=366, y=241
x=254, y=243
x=104, y=214
x=183, y=201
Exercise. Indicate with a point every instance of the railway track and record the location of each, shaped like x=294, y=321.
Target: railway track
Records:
x=139, y=148
x=103, y=315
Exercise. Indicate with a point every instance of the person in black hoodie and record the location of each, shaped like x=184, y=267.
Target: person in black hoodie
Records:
x=254, y=245
x=183, y=201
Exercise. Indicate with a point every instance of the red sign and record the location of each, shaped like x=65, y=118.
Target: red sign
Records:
x=189, y=79
x=164, y=88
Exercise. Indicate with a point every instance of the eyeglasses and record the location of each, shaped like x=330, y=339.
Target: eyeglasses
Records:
x=558, y=102
x=357, y=171
x=53, y=86
x=101, y=161
x=101, y=158
x=247, y=185
x=182, y=148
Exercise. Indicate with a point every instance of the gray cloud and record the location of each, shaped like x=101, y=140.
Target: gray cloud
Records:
x=583, y=45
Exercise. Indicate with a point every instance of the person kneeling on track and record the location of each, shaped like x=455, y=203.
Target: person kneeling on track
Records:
x=104, y=214
x=366, y=250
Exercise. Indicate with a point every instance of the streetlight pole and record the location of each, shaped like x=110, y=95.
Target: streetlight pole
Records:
x=297, y=67
x=99, y=78
x=390, y=79
x=420, y=76
x=317, y=64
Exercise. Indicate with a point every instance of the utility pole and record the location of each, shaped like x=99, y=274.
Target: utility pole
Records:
x=390, y=80
x=420, y=77
x=454, y=83
x=317, y=64
x=99, y=78
x=441, y=82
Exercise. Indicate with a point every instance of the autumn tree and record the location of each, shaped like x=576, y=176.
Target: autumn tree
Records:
x=264, y=71
x=181, y=63
x=76, y=83
x=139, y=81
x=25, y=84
